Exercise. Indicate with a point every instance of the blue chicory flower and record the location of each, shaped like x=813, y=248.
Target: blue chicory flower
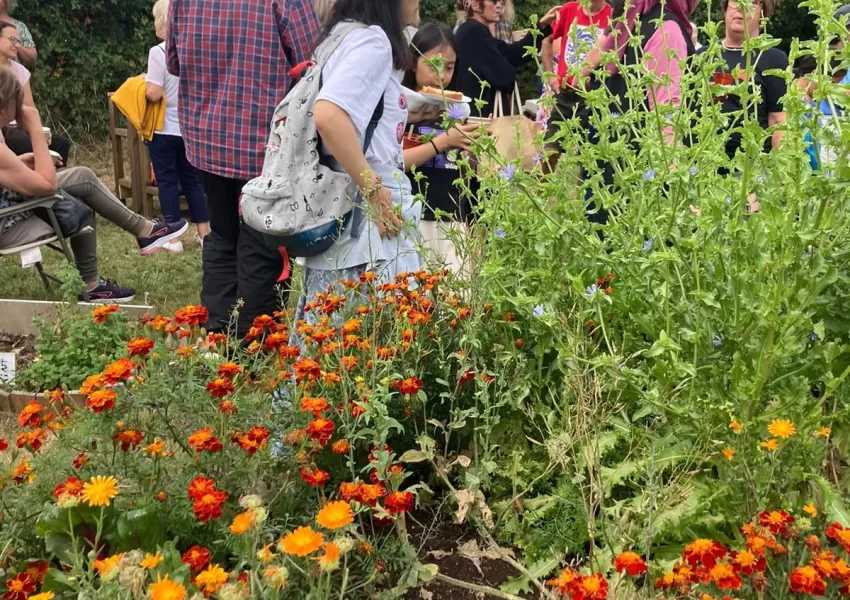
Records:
x=813, y=336
x=647, y=245
x=508, y=172
x=457, y=112
x=649, y=175
x=591, y=291
x=539, y=310
x=692, y=171
x=718, y=341
x=500, y=233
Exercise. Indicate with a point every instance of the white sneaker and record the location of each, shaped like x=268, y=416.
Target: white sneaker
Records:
x=174, y=247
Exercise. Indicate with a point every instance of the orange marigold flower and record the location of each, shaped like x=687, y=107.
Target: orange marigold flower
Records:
x=771, y=445
x=211, y=580
x=216, y=339
x=120, y=370
x=302, y=542
x=139, y=346
x=335, y=515
x=409, y=386
x=192, y=315
x=199, y=486
x=747, y=562
x=243, y=522
x=70, y=487
x=725, y=577
x=155, y=448
x=321, y=430
x=839, y=534
x=823, y=432
x=806, y=580
x=593, y=587
x=351, y=326
x=227, y=407
x=100, y=313
x=704, y=552
x=813, y=543
x=317, y=478
x=197, y=558
x=80, y=460
x=31, y=439
x=399, y=502
x=775, y=521
x=128, y=439
x=229, y=370
x=340, y=447
x=781, y=428
x=185, y=351
x=275, y=341
x=306, y=368
x=824, y=566
x=757, y=544
x=101, y=400
x=314, y=405
x=19, y=587
x=92, y=383
x=810, y=510
x=631, y=562
x=220, y=387
x=735, y=426
x=253, y=441
x=204, y=439
x=30, y=415
x=22, y=472
x=349, y=362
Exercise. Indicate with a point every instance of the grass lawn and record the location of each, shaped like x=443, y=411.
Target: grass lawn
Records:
x=164, y=280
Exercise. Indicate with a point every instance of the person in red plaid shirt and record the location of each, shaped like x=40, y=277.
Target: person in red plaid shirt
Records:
x=232, y=58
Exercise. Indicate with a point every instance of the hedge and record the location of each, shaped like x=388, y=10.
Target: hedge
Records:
x=87, y=48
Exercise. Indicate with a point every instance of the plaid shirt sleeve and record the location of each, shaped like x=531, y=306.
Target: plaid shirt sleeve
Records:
x=299, y=29
x=172, y=63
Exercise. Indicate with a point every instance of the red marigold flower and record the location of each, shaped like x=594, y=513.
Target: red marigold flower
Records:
x=321, y=430
x=227, y=407
x=139, y=346
x=466, y=377
x=747, y=562
x=290, y=352
x=349, y=491
x=32, y=439
x=275, y=341
x=229, y=370
x=775, y=521
x=192, y=315
x=263, y=322
x=370, y=493
x=565, y=582
x=806, y=580
x=100, y=313
x=813, y=543
x=704, y=552
x=340, y=447
x=19, y=587
x=118, y=371
x=220, y=387
x=208, y=507
x=216, y=339
x=631, y=562
x=314, y=405
x=199, y=486
x=256, y=439
x=204, y=439
x=839, y=534
x=128, y=438
x=80, y=460
x=725, y=577
x=37, y=570
x=101, y=400
x=593, y=587
x=197, y=558
x=30, y=415
x=4, y=445
x=409, y=386
x=315, y=478
x=70, y=487
x=399, y=502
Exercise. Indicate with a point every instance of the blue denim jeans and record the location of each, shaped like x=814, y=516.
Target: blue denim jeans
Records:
x=173, y=172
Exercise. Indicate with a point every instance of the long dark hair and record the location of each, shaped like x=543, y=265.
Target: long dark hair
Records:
x=386, y=14
x=429, y=37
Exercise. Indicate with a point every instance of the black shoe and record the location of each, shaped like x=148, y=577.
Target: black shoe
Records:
x=161, y=234
x=109, y=292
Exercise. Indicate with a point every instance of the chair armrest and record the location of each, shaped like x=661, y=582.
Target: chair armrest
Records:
x=19, y=207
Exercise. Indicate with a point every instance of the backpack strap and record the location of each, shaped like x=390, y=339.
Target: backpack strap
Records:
x=357, y=213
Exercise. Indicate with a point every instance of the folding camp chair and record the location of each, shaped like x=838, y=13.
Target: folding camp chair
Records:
x=47, y=204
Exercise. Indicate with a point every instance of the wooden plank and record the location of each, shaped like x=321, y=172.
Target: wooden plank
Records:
x=16, y=316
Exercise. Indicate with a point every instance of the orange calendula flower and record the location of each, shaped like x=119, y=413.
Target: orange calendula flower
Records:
x=100, y=313
x=139, y=346
x=735, y=426
x=340, y=447
x=210, y=580
x=335, y=515
x=302, y=542
x=728, y=454
x=704, y=552
x=220, y=387
x=101, y=400
x=823, y=432
x=100, y=491
x=151, y=561
x=806, y=580
x=771, y=445
x=243, y=522
x=105, y=566
x=330, y=559
x=810, y=510
x=781, y=428
x=165, y=589
x=630, y=562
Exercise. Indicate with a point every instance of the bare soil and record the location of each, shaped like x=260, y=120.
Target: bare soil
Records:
x=23, y=346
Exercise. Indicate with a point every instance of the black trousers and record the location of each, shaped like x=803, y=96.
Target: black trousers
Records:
x=238, y=266
x=19, y=142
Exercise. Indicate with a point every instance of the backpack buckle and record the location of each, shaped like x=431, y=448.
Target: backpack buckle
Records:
x=297, y=71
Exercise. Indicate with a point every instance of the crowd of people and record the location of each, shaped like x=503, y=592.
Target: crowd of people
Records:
x=223, y=67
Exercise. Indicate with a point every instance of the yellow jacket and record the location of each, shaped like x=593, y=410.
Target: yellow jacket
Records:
x=146, y=117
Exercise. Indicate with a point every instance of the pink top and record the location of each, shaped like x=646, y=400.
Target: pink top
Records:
x=23, y=76
x=664, y=53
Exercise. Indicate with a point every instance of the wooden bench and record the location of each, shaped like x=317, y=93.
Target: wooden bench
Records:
x=138, y=185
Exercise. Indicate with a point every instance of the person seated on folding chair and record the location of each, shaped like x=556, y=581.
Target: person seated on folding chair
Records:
x=35, y=176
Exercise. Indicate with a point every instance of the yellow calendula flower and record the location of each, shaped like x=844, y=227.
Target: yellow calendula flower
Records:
x=728, y=454
x=302, y=542
x=810, y=510
x=781, y=428
x=165, y=589
x=330, y=559
x=151, y=561
x=265, y=554
x=43, y=596
x=823, y=432
x=100, y=491
x=105, y=566
x=735, y=426
x=771, y=445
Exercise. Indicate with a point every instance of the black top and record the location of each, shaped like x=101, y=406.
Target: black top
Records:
x=438, y=185
x=771, y=89
x=482, y=56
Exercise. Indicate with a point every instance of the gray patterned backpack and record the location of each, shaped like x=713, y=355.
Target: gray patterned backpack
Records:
x=304, y=201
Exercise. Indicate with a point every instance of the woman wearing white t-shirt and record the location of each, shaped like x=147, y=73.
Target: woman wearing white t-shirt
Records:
x=167, y=150
x=361, y=73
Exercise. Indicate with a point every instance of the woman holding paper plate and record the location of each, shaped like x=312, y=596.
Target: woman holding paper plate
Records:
x=447, y=206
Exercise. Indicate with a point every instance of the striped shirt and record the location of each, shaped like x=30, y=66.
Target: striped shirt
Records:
x=232, y=59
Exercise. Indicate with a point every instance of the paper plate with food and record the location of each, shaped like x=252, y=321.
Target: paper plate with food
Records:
x=441, y=96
